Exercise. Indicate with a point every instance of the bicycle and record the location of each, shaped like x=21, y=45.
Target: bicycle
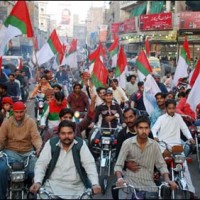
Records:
x=44, y=194
x=144, y=192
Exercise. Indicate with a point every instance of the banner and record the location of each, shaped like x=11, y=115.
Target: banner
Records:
x=189, y=20
x=162, y=21
x=103, y=33
x=129, y=25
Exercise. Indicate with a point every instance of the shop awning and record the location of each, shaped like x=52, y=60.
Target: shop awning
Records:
x=138, y=10
x=156, y=7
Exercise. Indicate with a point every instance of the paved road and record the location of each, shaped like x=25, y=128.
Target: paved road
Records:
x=192, y=166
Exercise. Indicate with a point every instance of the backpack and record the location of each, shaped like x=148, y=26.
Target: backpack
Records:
x=55, y=152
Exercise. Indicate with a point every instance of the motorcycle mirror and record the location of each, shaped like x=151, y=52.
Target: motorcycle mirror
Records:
x=77, y=114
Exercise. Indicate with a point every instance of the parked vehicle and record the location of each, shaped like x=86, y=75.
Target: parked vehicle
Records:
x=18, y=187
x=13, y=62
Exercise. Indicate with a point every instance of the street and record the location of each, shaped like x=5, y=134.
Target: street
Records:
x=195, y=175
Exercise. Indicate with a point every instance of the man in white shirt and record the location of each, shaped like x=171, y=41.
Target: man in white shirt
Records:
x=131, y=86
x=118, y=93
x=167, y=128
x=65, y=179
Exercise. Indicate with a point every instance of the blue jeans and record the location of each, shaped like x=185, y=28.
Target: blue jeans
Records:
x=4, y=169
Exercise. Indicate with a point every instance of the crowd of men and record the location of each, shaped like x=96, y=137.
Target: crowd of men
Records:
x=137, y=152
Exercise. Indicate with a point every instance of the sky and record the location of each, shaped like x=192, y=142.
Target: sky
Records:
x=76, y=7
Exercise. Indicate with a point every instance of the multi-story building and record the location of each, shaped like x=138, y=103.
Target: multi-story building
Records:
x=95, y=18
x=80, y=34
x=164, y=23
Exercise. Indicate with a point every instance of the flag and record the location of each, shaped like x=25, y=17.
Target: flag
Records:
x=20, y=64
x=150, y=90
x=97, y=53
x=49, y=49
x=99, y=74
x=143, y=66
x=147, y=46
x=17, y=23
x=71, y=56
x=194, y=73
x=194, y=96
x=121, y=69
x=183, y=62
x=113, y=51
x=0, y=65
x=121, y=62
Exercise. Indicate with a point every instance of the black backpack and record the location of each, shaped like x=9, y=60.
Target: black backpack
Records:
x=55, y=152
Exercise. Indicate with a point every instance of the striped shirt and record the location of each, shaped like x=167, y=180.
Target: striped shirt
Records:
x=148, y=158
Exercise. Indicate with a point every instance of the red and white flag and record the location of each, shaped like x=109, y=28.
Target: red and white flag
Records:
x=194, y=96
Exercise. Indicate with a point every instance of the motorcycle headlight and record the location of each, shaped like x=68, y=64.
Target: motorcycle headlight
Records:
x=77, y=114
x=41, y=104
x=179, y=167
x=105, y=140
x=18, y=176
x=179, y=159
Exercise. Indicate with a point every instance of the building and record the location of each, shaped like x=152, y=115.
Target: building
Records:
x=80, y=34
x=164, y=23
x=95, y=18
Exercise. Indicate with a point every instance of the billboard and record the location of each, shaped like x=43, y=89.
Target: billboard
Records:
x=162, y=21
x=66, y=23
x=189, y=20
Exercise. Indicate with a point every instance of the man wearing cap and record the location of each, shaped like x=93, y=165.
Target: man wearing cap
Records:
x=18, y=137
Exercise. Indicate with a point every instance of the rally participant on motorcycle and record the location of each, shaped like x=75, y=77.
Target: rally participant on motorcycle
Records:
x=167, y=128
x=51, y=110
x=129, y=115
x=57, y=88
x=78, y=100
x=68, y=114
x=19, y=135
x=145, y=153
x=3, y=93
x=61, y=75
x=118, y=93
x=7, y=107
x=42, y=86
x=110, y=112
x=160, y=109
x=49, y=76
x=65, y=179
x=13, y=88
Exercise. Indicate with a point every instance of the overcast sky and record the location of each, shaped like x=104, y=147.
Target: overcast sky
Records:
x=77, y=7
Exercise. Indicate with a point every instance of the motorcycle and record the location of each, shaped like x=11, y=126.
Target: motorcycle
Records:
x=175, y=158
x=105, y=148
x=18, y=186
x=39, y=106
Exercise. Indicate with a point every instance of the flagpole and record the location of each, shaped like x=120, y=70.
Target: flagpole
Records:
x=36, y=60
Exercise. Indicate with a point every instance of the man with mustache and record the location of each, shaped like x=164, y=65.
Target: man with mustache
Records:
x=64, y=178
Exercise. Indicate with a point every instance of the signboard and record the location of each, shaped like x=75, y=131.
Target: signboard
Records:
x=162, y=21
x=129, y=25
x=189, y=20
